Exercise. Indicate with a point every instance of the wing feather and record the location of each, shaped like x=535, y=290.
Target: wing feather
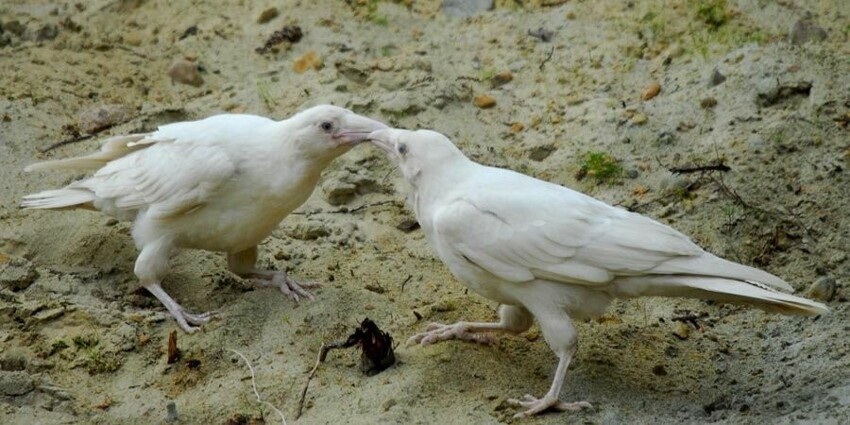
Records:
x=519, y=228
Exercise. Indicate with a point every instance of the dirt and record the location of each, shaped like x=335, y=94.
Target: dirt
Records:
x=743, y=84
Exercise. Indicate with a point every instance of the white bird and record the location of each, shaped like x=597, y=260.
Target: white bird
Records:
x=547, y=252
x=219, y=184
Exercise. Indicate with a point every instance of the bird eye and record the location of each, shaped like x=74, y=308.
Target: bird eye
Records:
x=402, y=149
x=326, y=126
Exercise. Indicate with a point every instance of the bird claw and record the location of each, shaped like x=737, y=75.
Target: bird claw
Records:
x=437, y=332
x=536, y=405
x=186, y=319
x=292, y=288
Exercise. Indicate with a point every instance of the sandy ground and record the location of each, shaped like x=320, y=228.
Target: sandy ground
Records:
x=82, y=343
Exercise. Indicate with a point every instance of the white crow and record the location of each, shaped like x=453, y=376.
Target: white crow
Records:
x=547, y=252
x=219, y=184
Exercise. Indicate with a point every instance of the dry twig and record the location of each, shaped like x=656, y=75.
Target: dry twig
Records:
x=254, y=387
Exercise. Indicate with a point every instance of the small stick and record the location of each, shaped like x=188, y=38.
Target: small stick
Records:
x=323, y=354
x=551, y=51
x=254, y=387
x=700, y=168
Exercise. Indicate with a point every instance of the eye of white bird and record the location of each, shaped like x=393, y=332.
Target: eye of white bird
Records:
x=326, y=126
x=402, y=148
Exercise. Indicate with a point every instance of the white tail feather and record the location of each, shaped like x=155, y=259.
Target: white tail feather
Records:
x=713, y=288
x=112, y=148
x=59, y=198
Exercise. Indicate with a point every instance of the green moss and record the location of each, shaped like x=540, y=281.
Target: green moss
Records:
x=713, y=13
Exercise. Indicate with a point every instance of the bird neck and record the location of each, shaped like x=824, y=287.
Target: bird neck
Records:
x=433, y=183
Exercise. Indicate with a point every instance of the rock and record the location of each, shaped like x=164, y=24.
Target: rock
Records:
x=708, y=103
x=14, y=27
x=387, y=405
x=16, y=273
x=501, y=79
x=822, y=289
x=770, y=92
x=484, y=101
x=185, y=72
x=666, y=138
x=465, y=8
x=682, y=330
x=806, y=30
x=14, y=359
x=15, y=383
x=659, y=370
x=47, y=32
x=402, y=103
x=307, y=61
x=407, y=225
x=516, y=127
x=342, y=186
x=716, y=78
x=309, y=230
x=650, y=91
x=267, y=15
x=639, y=119
x=539, y=153
x=352, y=70
x=101, y=117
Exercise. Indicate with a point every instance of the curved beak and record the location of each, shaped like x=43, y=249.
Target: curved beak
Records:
x=382, y=139
x=355, y=129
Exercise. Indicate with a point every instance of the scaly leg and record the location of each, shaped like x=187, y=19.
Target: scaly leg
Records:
x=243, y=264
x=511, y=319
x=561, y=335
x=151, y=267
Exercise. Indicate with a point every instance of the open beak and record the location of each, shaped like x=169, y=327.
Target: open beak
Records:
x=356, y=129
x=381, y=139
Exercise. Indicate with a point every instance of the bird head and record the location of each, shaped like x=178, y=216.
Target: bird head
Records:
x=417, y=152
x=331, y=129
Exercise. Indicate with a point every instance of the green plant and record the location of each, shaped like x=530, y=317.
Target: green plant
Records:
x=713, y=13
x=265, y=93
x=600, y=166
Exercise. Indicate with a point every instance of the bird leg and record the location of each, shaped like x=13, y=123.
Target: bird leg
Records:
x=511, y=319
x=184, y=318
x=560, y=331
x=151, y=266
x=243, y=264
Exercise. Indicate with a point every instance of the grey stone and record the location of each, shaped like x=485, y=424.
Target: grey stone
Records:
x=309, y=230
x=823, y=289
x=15, y=383
x=466, y=8
x=14, y=359
x=806, y=30
x=16, y=273
x=716, y=78
x=104, y=116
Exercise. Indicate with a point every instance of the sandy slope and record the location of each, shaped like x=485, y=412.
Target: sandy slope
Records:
x=93, y=345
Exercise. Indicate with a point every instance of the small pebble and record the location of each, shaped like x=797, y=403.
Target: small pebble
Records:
x=822, y=289
x=682, y=330
x=185, y=72
x=708, y=103
x=501, y=79
x=659, y=370
x=716, y=78
x=639, y=119
x=651, y=91
x=484, y=101
x=101, y=117
x=16, y=273
x=309, y=60
x=267, y=15
x=806, y=30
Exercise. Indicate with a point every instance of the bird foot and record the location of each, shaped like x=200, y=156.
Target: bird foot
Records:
x=536, y=405
x=436, y=332
x=289, y=286
x=186, y=319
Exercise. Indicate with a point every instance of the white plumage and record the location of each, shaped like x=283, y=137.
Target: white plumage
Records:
x=220, y=184
x=547, y=252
